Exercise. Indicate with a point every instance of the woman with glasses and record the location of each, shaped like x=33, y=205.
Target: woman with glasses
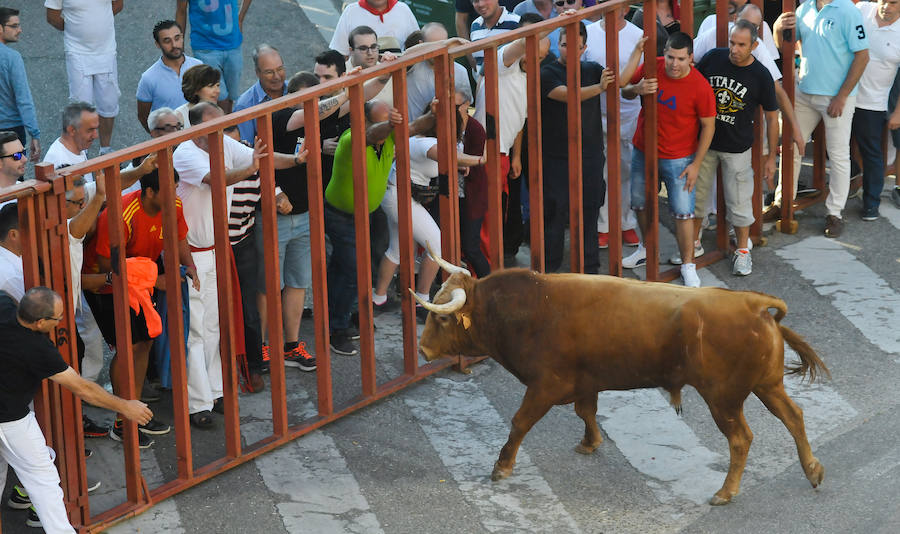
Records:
x=199, y=84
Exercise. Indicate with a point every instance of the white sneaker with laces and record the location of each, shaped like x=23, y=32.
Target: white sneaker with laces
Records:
x=698, y=251
x=689, y=275
x=636, y=259
x=741, y=264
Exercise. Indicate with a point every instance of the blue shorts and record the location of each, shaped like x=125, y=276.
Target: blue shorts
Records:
x=294, y=253
x=681, y=202
x=229, y=63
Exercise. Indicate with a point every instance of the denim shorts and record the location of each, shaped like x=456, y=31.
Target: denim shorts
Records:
x=681, y=202
x=229, y=63
x=294, y=253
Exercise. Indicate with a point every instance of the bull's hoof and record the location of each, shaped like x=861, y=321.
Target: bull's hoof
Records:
x=815, y=473
x=582, y=448
x=500, y=473
x=720, y=499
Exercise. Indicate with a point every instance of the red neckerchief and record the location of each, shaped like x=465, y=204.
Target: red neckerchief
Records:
x=380, y=12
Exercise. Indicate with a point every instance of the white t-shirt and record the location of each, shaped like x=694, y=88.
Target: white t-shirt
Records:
x=192, y=164
x=421, y=168
x=595, y=50
x=90, y=29
x=420, y=86
x=706, y=41
x=12, y=279
x=59, y=155
x=709, y=23
x=183, y=111
x=512, y=87
x=884, y=58
x=76, y=260
x=399, y=22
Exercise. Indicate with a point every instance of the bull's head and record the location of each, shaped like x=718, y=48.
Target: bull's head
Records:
x=447, y=325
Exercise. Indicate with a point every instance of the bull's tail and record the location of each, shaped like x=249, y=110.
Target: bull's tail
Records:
x=810, y=365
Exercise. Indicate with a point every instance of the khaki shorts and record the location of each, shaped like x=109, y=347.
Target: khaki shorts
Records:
x=737, y=182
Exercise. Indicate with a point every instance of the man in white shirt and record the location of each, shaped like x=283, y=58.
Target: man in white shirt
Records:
x=89, y=36
x=734, y=9
x=386, y=17
x=882, y=23
x=191, y=160
x=81, y=124
x=12, y=279
x=631, y=41
x=365, y=52
x=420, y=78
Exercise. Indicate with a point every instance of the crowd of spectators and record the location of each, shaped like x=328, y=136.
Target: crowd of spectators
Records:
x=706, y=100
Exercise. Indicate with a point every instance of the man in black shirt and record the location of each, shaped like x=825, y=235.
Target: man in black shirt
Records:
x=594, y=80
x=27, y=357
x=741, y=84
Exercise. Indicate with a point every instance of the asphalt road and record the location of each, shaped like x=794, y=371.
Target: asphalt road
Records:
x=420, y=461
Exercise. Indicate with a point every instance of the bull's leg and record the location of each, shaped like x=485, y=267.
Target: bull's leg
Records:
x=778, y=402
x=730, y=420
x=586, y=408
x=534, y=406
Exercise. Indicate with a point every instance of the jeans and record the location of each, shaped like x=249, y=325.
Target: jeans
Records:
x=246, y=261
x=229, y=63
x=681, y=202
x=470, y=242
x=341, y=267
x=867, y=129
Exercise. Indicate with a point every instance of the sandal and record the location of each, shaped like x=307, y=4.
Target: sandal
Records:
x=201, y=419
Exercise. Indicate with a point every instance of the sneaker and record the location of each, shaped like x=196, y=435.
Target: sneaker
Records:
x=388, y=305
x=698, y=251
x=689, y=275
x=712, y=222
x=834, y=226
x=92, y=429
x=19, y=499
x=155, y=428
x=117, y=434
x=636, y=259
x=265, y=352
x=741, y=264
x=341, y=344
x=33, y=520
x=603, y=239
x=895, y=196
x=869, y=214
x=352, y=331
x=630, y=238
x=88, y=453
x=301, y=358
x=93, y=485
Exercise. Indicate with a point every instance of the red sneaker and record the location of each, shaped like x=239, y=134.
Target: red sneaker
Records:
x=265, y=352
x=603, y=239
x=630, y=238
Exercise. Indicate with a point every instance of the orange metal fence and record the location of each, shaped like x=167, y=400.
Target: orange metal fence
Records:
x=46, y=261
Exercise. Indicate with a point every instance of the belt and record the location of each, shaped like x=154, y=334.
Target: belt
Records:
x=201, y=249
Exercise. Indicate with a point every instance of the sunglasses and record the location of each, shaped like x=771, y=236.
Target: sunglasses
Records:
x=79, y=203
x=560, y=3
x=16, y=156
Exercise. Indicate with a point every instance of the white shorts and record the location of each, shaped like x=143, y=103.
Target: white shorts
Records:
x=94, y=79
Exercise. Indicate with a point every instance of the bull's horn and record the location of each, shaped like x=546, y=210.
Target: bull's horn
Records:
x=446, y=265
x=457, y=300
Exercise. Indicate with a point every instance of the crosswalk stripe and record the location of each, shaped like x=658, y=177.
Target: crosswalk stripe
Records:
x=468, y=432
x=863, y=297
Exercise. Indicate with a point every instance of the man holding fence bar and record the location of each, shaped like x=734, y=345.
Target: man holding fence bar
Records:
x=27, y=357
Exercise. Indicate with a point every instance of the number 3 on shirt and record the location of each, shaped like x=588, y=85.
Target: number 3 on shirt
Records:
x=860, y=32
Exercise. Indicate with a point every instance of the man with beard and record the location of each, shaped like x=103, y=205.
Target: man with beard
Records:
x=160, y=85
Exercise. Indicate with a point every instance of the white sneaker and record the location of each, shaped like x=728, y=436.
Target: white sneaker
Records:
x=636, y=259
x=689, y=275
x=741, y=264
x=698, y=251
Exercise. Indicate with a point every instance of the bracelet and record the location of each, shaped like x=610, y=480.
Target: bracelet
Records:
x=109, y=278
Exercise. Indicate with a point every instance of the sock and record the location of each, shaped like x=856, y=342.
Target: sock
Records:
x=423, y=296
x=378, y=300
x=289, y=346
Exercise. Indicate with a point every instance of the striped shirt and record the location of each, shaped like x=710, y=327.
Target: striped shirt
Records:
x=242, y=211
x=507, y=21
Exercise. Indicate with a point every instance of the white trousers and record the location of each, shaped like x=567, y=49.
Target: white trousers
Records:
x=629, y=220
x=204, y=363
x=23, y=447
x=92, y=339
x=810, y=109
x=425, y=230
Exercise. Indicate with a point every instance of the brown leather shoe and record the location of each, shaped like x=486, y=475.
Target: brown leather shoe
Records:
x=257, y=383
x=833, y=226
x=772, y=214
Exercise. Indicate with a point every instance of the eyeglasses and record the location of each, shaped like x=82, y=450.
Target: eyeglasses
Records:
x=272, y=72
x=79, y=202
x=16, y=156
x=169, y=127
x=560, y=3
x=363, y=49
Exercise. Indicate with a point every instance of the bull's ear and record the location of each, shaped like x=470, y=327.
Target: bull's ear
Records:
x=464, y=319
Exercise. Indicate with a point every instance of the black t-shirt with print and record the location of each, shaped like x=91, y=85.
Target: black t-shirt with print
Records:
x=554, y=114
x=738, y=91
x=26, y=359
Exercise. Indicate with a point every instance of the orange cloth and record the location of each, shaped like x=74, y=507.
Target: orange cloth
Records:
x=142, y=274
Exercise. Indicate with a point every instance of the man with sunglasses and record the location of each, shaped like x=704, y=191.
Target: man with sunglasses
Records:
x=12, y=158
x=16, y=105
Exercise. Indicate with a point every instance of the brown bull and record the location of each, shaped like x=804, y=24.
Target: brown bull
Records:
x=569, y=336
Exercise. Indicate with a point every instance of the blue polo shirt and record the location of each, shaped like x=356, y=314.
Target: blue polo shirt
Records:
x=161, y=86
x=251, y=97
x=830, y=38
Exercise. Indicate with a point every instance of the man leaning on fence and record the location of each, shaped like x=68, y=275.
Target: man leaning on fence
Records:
x=27, y=357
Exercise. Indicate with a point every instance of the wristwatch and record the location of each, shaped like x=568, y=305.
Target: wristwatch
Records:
x=109, y=278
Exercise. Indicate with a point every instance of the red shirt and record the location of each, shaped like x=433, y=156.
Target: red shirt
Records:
x=679, y=106
x=143, y=233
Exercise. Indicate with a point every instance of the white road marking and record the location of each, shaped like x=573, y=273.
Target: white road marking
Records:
x=856, y=291
x=467, y=432
x=889, y=211
x=163, y=518
x=323, y=14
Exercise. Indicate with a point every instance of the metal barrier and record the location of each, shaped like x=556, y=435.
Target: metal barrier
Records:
x=46, y=262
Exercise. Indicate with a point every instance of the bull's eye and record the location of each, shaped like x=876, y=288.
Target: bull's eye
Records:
x=443, y=318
